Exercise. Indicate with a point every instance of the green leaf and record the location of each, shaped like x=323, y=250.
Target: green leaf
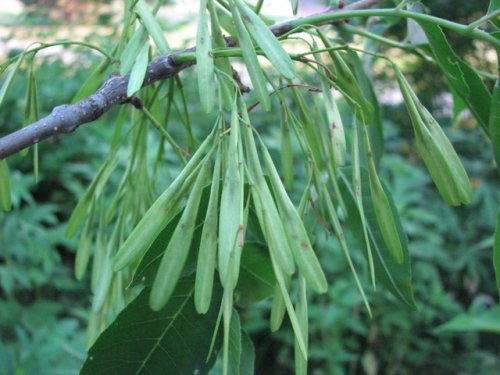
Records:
x=234, y=344
x=138, y=71
x=486, y=321
x=415, y=35
x=152, y=26
x=267, y=41
x=175, y=340
x=395, y=277
x=458, y=105
x=256, y=281
x=460, y=75
x=247, y=360
x=5, y=200
x=496, y=250
x=494, y=7
x=375, y=130
x=494, y=124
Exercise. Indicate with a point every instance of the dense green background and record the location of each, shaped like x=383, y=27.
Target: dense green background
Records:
x=43, y=309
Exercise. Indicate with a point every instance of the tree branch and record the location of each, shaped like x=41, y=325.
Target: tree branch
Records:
x=67, y=118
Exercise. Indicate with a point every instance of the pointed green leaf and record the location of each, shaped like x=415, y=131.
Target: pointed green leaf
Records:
x=332, y=215
x=494, y=124
x=460, y=75
x=375, y=130
x=496, y=251
x=494, y=8
x=247, y=360
x=143, y=342
x=234, y=344
x=395, y=277
x=356, y=183
x=486, y=321
x=256, y=281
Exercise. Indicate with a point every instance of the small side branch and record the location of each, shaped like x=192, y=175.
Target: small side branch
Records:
x=68, y=117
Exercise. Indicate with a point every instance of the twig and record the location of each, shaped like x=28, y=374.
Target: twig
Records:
x=67, y=118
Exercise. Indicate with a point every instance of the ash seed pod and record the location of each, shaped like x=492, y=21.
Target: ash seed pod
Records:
x=204, y=60
x=298, y=238
x=208, y=247
x=176, y=253
x=440, y=158
x=267, y=41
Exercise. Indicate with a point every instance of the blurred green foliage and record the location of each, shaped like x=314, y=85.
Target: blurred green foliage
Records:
x=43, y=309
x=452, y=273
